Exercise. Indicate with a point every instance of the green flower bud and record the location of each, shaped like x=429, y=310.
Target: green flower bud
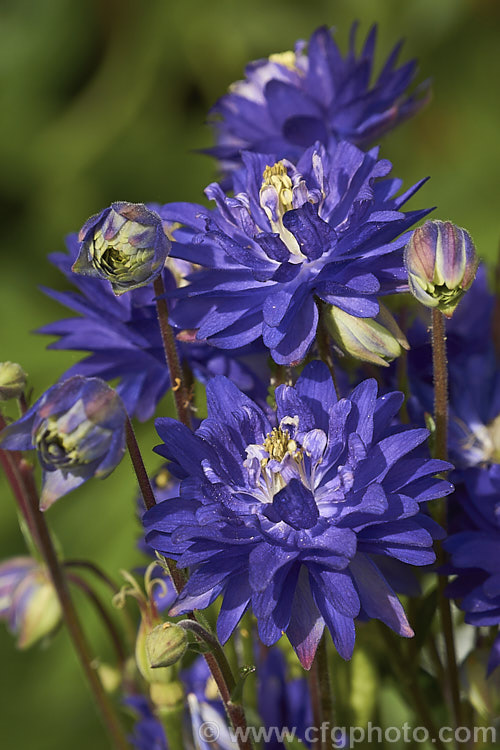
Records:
x=441, y=262
x=378, y=340
x=166, y=644
x=12, y=380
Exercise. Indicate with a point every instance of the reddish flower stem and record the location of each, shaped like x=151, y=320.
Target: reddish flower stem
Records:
x=182, y=402
x=440, y=370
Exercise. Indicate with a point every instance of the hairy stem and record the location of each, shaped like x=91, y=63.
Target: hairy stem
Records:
x=321, y=695
x=35, y=519
x=440, y=372
x=325, y=350
x=169, y=344
x=216, y=659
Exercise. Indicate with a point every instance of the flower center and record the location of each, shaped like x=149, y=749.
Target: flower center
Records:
x=484, y=442
x=278, y=444
x=288, y=59
x=58, y=448
x=276, y=198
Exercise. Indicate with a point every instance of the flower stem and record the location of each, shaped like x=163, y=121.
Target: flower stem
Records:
x=36, y=520
x=139, y=468
x=216, y=659
x=89, y=566
x=440, y=372
x=107, y=621
x=325, y=350
x=169, y=344
x=321, y=695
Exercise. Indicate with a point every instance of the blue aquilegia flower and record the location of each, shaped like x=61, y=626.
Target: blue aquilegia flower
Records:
x=78, y=431
x=124, y=244
x=28, y=601
x=292, y=99
x=327, y=229
x=123, y=338
x=290, y=517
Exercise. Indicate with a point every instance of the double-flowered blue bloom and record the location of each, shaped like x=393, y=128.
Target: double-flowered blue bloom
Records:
x=124, y=341
x=327, y=230
x=290, y=517
x=78, y=431
x=314, y=93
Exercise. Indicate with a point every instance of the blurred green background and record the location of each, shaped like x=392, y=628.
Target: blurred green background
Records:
x=105, y=100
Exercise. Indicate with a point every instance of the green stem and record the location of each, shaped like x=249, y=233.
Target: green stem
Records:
x=173, y=721
x=36, y=519
x=246, y=639
x=321, y=695
x=107, y=621
x=440, y=372
x=182, y=401
x=216, y=660
x=325, y=350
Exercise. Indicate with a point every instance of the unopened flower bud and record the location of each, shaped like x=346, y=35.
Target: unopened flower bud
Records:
x=151, y=674
x=441, y=262
x=78, y=430
x=12, y=380
x=378, y=340
x=124, y=244
x=28, y=600
x=166, y=644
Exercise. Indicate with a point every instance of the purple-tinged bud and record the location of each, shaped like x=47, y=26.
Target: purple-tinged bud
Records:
x=441, y=262
x=78, y=430
x=125, y=244
x=12, y=381
x=28, y=600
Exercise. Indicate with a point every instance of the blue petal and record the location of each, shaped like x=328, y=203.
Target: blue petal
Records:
x=234, y=603
x=296, y=506
x=315, y=388
x=306, y=624
x=377, y=597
